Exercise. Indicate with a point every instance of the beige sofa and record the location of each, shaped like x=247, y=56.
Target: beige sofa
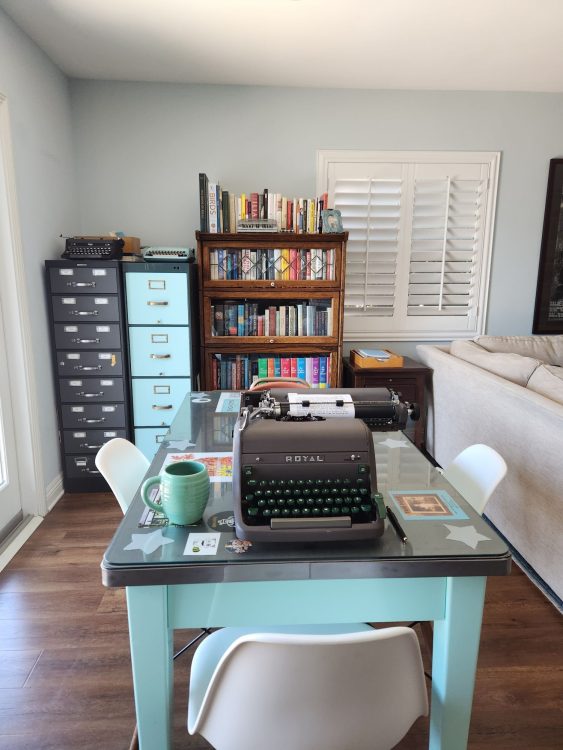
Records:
x=507, y=392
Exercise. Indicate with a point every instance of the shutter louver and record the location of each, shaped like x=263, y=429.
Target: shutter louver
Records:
x=371, y=211
x=445, y=248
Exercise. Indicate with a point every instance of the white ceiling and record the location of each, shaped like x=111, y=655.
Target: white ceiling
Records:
x=496, y=45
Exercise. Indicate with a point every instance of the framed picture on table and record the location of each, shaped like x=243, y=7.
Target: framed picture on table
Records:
x=548, y=312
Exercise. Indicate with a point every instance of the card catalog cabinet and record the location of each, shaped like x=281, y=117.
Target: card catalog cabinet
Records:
x=86, y=313
x=162, y=329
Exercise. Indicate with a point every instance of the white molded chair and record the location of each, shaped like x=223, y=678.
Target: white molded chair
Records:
x=476, y=473
x=123, y=466
x=307, y=688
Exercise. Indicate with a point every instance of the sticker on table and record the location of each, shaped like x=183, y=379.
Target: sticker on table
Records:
x=224, y=521
x=466, y=534
x=238, y=546
x=202, y=544
x=219, y=465
x=394, y=443
x=228, y=402
x=180, y=445
x=423, y=505
x=200, y=398
x=148, y=543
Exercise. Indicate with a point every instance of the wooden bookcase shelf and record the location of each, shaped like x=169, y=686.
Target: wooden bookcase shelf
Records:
x=270, y=296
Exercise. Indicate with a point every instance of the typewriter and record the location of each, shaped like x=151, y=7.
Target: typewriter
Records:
x=304, y=463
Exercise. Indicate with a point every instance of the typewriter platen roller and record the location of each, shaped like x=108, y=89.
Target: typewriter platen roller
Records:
x=304, y=465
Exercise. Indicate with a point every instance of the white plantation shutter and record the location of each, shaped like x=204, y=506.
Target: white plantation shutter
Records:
x=420, y=234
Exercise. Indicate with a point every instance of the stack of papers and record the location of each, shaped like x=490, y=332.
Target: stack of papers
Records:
x=380, y=354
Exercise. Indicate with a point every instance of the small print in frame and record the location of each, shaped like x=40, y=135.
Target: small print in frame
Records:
x=332, y=221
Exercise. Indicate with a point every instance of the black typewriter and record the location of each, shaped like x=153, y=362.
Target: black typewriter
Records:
x=302, y=476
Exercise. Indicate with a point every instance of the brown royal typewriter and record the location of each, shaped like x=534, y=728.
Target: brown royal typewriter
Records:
x=304, y=463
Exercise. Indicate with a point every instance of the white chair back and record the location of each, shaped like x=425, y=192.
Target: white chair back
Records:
x=475, y=473
x=123, y=466
x=359, y=691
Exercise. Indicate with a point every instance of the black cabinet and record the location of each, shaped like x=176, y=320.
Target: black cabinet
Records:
x=90, y=364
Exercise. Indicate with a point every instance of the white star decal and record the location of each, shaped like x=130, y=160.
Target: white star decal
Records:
x=148, y=543
x=180, y=445
x=393, y=443
x=466, y=534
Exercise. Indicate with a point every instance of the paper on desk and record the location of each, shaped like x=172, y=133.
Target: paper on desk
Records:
x=219, y=465
x=202, y=544
x=321, y=405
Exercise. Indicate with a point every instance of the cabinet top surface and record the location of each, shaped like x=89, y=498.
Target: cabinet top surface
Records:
x=408, y=364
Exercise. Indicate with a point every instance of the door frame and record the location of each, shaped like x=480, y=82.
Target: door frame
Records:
x=19, y=347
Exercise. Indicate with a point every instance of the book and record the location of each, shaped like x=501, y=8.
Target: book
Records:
x=212, y=207
x=323, y=372
x=203, y=208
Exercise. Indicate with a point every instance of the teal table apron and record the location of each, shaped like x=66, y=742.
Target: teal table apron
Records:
x=439, y=575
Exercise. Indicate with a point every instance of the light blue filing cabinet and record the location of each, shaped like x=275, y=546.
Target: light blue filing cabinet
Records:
x=163, y=335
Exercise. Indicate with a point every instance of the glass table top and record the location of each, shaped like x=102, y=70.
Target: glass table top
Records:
x=445, y=536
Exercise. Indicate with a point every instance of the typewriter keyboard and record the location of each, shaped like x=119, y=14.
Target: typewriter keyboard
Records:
x=266, y=500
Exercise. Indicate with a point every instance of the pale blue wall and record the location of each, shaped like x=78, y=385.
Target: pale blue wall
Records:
x=140, y=147
x=40, y=122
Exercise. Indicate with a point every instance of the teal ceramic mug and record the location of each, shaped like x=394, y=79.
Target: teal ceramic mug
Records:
x=184, y=490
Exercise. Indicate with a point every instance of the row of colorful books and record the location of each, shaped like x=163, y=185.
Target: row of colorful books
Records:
x=232, y=318
x=220, y=210
x=289, y=264
x=239, y=371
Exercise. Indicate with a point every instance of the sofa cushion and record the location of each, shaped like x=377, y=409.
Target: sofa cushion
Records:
x=513, y=367
x=548, y=380
x=548, y=349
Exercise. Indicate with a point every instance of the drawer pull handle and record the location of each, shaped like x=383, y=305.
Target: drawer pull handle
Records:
x=90, y=395
x=90, y=471
x=162, y=408
x=160, y=356
x=84, y=312
x=87, y=367
x=85, y=341
x=92, y=421
x=81, y=283
x=154, y=303
x=92, y=447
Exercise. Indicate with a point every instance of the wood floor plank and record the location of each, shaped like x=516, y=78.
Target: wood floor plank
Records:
x=69, y=685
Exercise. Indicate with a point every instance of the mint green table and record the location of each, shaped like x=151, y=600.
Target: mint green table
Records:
x=439, y=574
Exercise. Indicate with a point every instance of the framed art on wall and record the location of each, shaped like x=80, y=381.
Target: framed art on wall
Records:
x=548, y=313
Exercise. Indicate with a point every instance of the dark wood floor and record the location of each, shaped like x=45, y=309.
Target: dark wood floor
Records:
x=65, y=680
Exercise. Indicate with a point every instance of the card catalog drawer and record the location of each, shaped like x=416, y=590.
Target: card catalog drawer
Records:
x=92, y=415
x=90, y=363
x=83, y=307
x=157, y=298
x=91, y=389
x=156, y=352
x=156, y=401
x=87, y=336
x=88, y=441
x=65, y=280
x=81, y=466
x=148, y=440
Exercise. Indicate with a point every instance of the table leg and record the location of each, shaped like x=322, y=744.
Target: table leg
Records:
x=151, y=659
x=454, y=662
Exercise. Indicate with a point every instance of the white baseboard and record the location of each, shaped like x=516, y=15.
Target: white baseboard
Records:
x=18, y=539
x=54, y=491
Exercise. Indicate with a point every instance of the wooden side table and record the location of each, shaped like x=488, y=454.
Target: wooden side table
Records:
x=410, y=381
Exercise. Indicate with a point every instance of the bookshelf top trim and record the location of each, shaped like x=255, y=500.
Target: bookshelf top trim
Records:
x=301, y=237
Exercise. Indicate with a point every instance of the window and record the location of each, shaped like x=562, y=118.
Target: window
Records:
x=420, y=237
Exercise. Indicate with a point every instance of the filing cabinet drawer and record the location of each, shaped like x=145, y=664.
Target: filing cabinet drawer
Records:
x=67, y=280
x=148, y=440
x=88, y=441
x=157, y=298
x=81, y=466
x=90, y=363
x=91, y=389
x=87, y=336
x=155, y=402
x=82, y=307
x=156, y=352
x=92, y=416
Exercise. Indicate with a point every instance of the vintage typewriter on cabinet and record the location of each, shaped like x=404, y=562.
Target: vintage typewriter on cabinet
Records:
x=304, y=463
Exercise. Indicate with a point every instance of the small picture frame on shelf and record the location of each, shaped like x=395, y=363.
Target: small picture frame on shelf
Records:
x=332, y=221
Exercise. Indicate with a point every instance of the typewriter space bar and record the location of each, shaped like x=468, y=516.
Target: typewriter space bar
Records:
x=336, y=522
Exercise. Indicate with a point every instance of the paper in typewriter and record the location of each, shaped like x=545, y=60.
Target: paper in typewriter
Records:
x=321, y=405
